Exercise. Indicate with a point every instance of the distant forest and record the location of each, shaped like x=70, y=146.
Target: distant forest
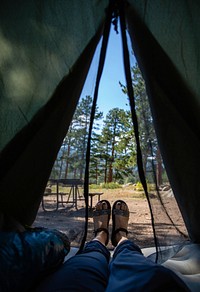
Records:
x=113, y=147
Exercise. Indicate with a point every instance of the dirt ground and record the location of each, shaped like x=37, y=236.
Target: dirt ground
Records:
x=71, y=221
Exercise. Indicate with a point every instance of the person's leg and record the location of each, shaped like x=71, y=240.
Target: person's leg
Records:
x=87, y=271
x=130, y=270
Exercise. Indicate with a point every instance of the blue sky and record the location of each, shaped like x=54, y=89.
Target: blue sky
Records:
x=110, y=93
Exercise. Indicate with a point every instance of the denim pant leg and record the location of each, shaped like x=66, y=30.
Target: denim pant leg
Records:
x=87, y=271
x=131, y=271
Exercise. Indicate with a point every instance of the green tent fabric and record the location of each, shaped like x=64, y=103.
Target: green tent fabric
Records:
x=166, y=46
x=42, y=41
x=34, y=148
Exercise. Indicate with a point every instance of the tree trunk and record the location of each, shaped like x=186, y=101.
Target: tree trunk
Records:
x=110, y=173
x=96, y=173
x=105, y=171
x=159, y=168
x=67, y=161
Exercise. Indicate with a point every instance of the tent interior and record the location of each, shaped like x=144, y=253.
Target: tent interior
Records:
x=47, y=49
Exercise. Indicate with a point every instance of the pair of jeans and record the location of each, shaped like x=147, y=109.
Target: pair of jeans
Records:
x=128, y=270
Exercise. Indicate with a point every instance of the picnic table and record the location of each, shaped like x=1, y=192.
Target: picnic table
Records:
x=71, y=197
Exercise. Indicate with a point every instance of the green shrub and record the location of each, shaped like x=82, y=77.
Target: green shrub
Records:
x=138, y=186
x=94, y=186
x=150, y=187
x=111, y=185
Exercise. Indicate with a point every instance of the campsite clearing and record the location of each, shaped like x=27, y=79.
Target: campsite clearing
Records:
x=70, y=220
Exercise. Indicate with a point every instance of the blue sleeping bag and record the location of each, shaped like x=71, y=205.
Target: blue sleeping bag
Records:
x=26, y=257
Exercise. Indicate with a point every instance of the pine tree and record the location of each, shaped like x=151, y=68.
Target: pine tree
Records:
x=76, y=138
x=117, y=136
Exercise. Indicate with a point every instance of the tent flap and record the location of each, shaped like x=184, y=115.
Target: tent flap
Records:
x=175, y=109
x=25, y=171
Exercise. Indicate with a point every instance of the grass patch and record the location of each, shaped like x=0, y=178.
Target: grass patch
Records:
x=110, y=190
x=111, y=185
